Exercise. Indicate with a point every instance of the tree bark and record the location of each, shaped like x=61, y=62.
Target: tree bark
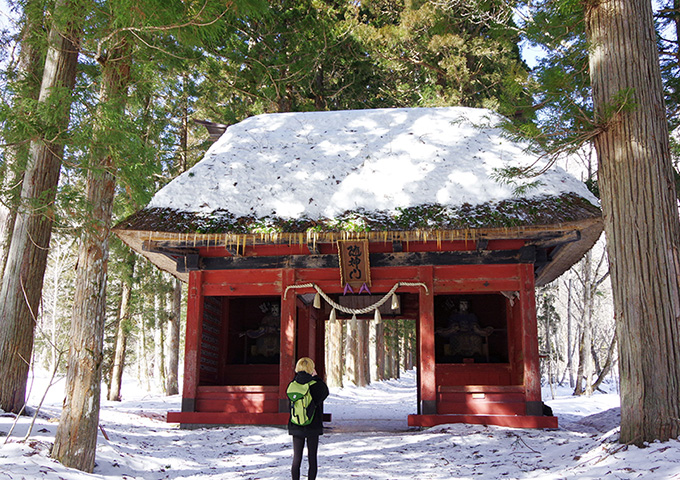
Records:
x=172, y=374
x=159, y=317
x=362, y=367
x=377, y=351
x=606, y=368
x=351, y=352
x=27, y=257
x=122, y=332
x=30, y=69
x=76, y=438
x=334, y=366
x=570, y=352
x=640, y=214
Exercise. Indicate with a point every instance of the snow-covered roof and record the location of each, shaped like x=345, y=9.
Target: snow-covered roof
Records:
x=320, y=165
x=407, y=173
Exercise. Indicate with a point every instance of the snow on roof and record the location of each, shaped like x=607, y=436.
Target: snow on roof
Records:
x=320, y=165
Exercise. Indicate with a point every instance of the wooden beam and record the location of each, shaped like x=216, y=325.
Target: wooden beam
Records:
x=532, y=375
x=192, y=351
x=287, y=356
x=427, y=385
x=514, y=421
x=186, y=259
x=568, y=237
x=397, y=259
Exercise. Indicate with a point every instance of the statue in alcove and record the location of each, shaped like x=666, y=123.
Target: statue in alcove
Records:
x=267, y=336
x=467, y=339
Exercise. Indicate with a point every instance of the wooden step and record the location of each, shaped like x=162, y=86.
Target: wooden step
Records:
x=481, y=407
x=514, y=421
x=481, y=389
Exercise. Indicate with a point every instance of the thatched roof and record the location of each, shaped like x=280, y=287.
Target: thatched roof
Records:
x=379, y=174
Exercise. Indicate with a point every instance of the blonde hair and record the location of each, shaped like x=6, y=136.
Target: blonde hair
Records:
x=305, y=364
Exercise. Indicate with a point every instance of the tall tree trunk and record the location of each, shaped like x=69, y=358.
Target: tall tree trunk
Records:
x=606, y=368
x=30, y=70
x=570, y=352
x=377, y=351
x=27, y=257
x=76, y=438
x=172, y=373
x=640, y=214
x=142, y=351
x=579, y=389
x=334, y=366
x=122, y=332
x=160, y=317
x=362, y=368
x=173, y=334
x=351, y=352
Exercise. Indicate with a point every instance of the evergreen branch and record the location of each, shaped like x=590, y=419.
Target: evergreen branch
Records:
x=154, y=47
x=192, y=22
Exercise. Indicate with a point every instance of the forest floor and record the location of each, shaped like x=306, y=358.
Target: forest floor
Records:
x=367, y=439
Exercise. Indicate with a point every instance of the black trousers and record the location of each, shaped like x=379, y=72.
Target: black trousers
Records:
x=312, y=449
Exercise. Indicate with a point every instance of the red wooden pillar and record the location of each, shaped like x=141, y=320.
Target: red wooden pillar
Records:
x=287, y=358
x=192, y=350
x=532, y=372
x=427, y=385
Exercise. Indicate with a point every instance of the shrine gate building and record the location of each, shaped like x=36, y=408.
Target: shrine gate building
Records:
x=420, y=207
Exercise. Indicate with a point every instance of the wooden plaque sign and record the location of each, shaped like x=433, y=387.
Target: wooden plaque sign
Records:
x=355, y=269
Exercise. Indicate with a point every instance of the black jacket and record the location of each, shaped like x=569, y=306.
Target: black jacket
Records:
x=319, y=393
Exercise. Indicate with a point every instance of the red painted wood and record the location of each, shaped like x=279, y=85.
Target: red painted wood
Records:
x=476, y=272
x=483, y=285
x=288, y=310
x=476, y=278
x=228, y=277
x=193, y=336
x=481, y=397
x=515, y=421
x=226, y=389
x=476, y=407
x=305, y=327
x=243, y=290
x=473, y=374
x=500, y=389
x=532, y=375
x=242, y=282
x=250, y=403
x=427, y=386
x=381, y=277
x=327, y=276
x=252, y=375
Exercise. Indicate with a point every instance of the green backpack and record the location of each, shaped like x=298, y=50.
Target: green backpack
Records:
x=301, y=406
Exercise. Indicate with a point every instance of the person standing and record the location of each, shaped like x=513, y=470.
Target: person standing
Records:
x=305, y=375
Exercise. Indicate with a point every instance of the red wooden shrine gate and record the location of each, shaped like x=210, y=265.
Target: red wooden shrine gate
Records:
x=246, y=328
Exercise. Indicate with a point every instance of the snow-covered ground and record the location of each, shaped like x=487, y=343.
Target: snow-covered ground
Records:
x=368, y=439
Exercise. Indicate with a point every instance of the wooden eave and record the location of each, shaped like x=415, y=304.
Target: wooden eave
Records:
x=555, y=248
